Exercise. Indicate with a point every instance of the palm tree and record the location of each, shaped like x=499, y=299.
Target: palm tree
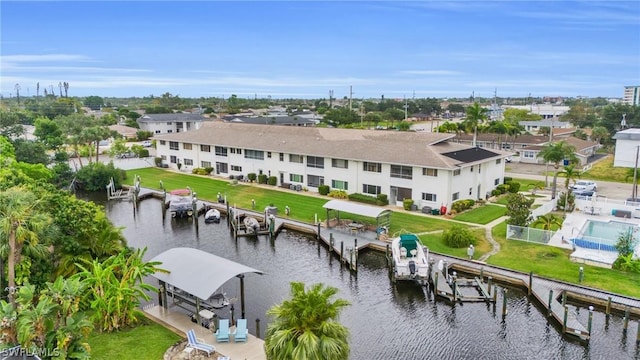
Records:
x=556, y=153
x=476, y=115
x=20, y=222
x=547, y=222
x=570, y=173
x=306, y=327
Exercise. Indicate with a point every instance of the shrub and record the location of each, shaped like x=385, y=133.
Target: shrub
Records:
x=383, y=199
x=459, y=237
x=363, y=198
x=625, y=244
x=272, y=180
x=406, y=204
x=462, y=205
x=503, y=188
x=209, y=170
x=338, y=194
x=626, y=263
x=514, y=187
x=199, y=171
x=262, y=179
x=251, y=177
x=495, y=192
x=96, y=176
x=323, y=189
x=143, y=135
x=158, y=161
x=507, y=179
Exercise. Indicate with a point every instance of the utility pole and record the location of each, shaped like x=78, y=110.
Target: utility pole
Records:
x=330, y=99
x=350, y=95
x=634, y=190
x=405, y=108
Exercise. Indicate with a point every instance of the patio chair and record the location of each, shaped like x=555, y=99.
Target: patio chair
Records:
x=222, y=334
x=199, y=344
x=240, y=333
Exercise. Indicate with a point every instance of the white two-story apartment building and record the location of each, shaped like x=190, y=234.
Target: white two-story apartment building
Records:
x=171, y=123
x=423, y=166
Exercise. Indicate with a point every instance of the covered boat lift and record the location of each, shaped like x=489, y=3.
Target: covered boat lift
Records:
x=382, y=215
x=199, y=274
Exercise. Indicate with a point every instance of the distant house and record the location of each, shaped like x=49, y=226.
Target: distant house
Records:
x=298, y=120
x=627, y=142
x=535, y=125
x=584, y=150
x=127, y=132
x=171, y=123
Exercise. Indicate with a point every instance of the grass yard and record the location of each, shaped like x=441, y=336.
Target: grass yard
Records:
x=553, y=262
x=435, y=243
x=482, y=215
x=528, y=184
x=147, y=341
x=604, y=170
x=304, y=205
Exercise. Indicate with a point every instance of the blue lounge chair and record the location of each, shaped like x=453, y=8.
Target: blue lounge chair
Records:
x=199, y=344
x=222, y=334
x=240, y=333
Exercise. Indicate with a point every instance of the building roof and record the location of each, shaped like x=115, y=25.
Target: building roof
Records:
x=124, y=130
x=545, y=122
x=490, y=137
x=355, y=208
x=171, y=117
x=577, y=143
x=198, y=272
x=470, y=155
x=270, y=120
x=629, y=134
x=392, y=147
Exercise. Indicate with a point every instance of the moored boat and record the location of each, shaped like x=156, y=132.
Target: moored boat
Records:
x=181, y=203
x=251, y=224
x=212, y=216
x=410, y=259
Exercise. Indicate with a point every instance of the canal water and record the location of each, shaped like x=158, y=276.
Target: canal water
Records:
x=386, y=321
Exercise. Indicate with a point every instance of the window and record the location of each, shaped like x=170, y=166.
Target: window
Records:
x=254, y=154
x=456, y=172
x=528, y=154
x=269, y=154
x=296, y=178
x=339, y=184
x=173, y=159
x=455, y=196
x=223, y=168
x=498, y=161
x=186, y=146
x=169, y=131
x=370, y=189
x=479, y=168
x=236, y=168
x=471, y=169
x=205, y=148
x=315, y=162
x=371, y=167
x=281, y=156
x=429, y=197
x=163, y=157
x=169, y=123
x=173, y=145
x=221, y=151
x=188, y=162
x=429, y=172
x=296, y=158
x=401, y=171
x=158, y=131
x=315, y=181
x=470, y=191
x=162, y=142
x=236, y=151
x=205, y=164
x=496, y=181
x=340, y=163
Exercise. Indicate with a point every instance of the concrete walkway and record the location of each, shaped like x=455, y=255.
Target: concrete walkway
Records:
x=495, y=247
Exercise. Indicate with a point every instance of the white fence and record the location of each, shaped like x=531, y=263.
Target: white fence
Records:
x=545, y=208
x=528, y=234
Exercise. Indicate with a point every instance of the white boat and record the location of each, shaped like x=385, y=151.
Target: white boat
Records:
x=251, y=224
x=181, y=203
x=212, y=216
x=410, y=259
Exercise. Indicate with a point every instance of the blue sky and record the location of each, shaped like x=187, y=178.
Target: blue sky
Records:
x=305, y=49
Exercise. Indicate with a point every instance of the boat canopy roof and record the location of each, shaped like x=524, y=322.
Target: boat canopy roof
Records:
x=355, y=208
x=198, y=272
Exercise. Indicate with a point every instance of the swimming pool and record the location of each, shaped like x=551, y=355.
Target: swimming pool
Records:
x=602, y=235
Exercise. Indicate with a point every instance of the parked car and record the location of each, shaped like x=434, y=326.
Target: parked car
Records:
x=146, y=143
x=126, y=155
x=583, y=193
x=584, y=185
x=508, y=159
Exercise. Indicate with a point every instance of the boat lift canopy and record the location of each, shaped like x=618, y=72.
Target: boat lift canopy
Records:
x=197, y=272
x=382, y=215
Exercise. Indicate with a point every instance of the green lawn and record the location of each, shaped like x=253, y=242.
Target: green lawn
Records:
x=435, y=244
x=553, y=262
x=303, y=205
x=482, y=215
x=147, y=341
x=528, y=184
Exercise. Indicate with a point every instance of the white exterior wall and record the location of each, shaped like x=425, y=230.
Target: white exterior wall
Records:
x=625, y=155
x=163, y=127
x=443, y=186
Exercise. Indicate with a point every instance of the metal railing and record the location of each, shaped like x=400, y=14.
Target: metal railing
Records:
x=528, y=234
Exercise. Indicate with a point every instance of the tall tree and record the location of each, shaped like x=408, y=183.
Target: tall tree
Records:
x=600, y=134
x=476, y=115
x=556, y=153
x=518, y=209
x=66, y=89
x=306, y=327
x=570, y=174
x=21, y=221
x=17, y=87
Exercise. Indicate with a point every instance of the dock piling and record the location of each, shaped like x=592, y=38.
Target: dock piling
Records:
x=258, y=328
x=504, y=302
x=625, y=324
x=564, y=322
x=590, y=322
x=341, y=252
x=331, y=242
x=550, y=301
x=495, y=297
x=489, y=283
x=318, y=231
x=529, y=290
x=482, y=274
x=608, y=308
x=638, y=334
x=435, y=286
x=564, y=298
x=454, y=278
